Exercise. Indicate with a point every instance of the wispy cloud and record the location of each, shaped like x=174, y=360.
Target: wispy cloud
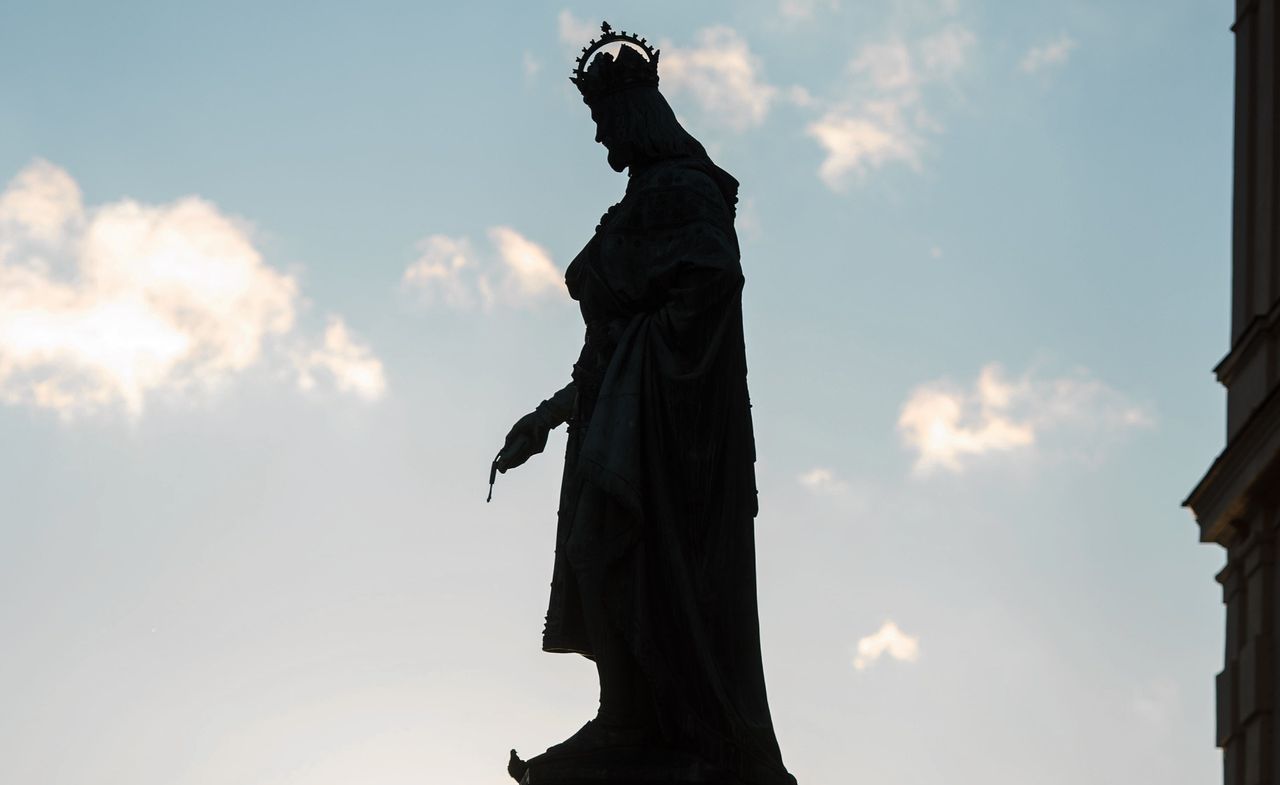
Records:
x=718, y=71
x=945, y=53
x=41, y=203
x=890, y=640
x=722, y=75
x=350, y=364
x=947, y=426
x=885, y=117
x=518, y=272
x=821, y=480
x=108, y=305
x=856, y=141
x=837, y=493
x=1157, y=702
x=804, y=9
x=532, y=65
x=1053, y=53
x=530, y=273
x=574, y=31
x=446, y=272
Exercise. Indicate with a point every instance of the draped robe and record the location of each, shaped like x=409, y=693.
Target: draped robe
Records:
x=658, y=496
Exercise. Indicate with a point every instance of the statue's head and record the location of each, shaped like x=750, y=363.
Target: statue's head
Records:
x=633, y=121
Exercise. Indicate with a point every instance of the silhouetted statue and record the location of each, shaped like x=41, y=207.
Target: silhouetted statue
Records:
x=654, y=573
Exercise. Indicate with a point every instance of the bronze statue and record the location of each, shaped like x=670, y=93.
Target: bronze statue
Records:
x=654, y=575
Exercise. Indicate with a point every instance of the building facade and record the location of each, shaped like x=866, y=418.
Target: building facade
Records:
x=1237, y=503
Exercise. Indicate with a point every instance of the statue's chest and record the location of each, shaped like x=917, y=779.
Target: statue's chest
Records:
x=608, y=276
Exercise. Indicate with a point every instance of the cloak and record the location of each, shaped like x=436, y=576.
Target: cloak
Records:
x=658, y=497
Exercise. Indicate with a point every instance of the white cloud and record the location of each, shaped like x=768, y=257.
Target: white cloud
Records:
x=1053, y=53
x=718, y=71
x=889, y=639
x=884, y=118
x=531, y=65
x=837, y=493
x=41, y=201
x=530, y=273
x=887, y=67
x=856, y=142
x=1158, y=703
x=518, y=272
x=109, y=305
x=350, y=364
x=804, y=9
x=446, y=271
x=947, y=425
x=575, y=32
x=904, y=13
x=722, y=75
x=823, y=481
x=946, y=52
x=799, y=96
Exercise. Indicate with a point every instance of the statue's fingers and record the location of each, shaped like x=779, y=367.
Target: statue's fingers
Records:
x=513, y=454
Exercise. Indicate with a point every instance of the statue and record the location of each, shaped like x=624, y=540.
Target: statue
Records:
x=654, y=575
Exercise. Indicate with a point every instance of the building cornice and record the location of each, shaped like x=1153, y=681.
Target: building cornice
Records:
x=1246, y=467
x=1251, y=340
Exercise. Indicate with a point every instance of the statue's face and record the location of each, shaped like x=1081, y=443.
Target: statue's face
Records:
x=607, y=135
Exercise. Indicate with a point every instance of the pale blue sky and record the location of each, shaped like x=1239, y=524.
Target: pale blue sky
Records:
x=243, y=537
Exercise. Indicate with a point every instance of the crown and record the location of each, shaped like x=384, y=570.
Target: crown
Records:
x=608, y=74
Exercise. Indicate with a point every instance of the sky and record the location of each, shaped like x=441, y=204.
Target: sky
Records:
x=275, y=280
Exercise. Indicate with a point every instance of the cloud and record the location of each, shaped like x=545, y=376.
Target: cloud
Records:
x=804, y=9
x=870, y=138
x=946, y=52
x=884, y=117
x=947, y=426
x=722, y=76
x=887, y=640
x=1053, y=53
x=350, y=364
x=530, y=273
x=719, y=72
x=823, y=481
x=105, y=306
x=518, y=272
x=575, y=32
x=446, y=271
x=1158, y=703
x=799, y=96
x=41, y=201
x=837, y=494
x=531, y=65
x=887, y=67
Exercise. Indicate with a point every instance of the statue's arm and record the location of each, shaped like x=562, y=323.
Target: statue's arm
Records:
x=559, y=407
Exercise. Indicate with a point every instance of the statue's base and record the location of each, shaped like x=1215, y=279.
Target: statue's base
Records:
x=618, y=766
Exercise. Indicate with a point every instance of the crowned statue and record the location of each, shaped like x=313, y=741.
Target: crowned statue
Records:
x=654, y=573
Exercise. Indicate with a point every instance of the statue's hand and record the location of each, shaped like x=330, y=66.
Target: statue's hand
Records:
x=525, y=439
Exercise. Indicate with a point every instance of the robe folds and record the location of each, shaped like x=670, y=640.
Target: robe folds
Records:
x=658, y=497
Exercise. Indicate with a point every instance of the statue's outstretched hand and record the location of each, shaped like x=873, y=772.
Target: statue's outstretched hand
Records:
x=526, y=438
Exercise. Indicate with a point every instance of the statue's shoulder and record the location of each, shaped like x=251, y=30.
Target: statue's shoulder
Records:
x=681, y=187
x=679, y=174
